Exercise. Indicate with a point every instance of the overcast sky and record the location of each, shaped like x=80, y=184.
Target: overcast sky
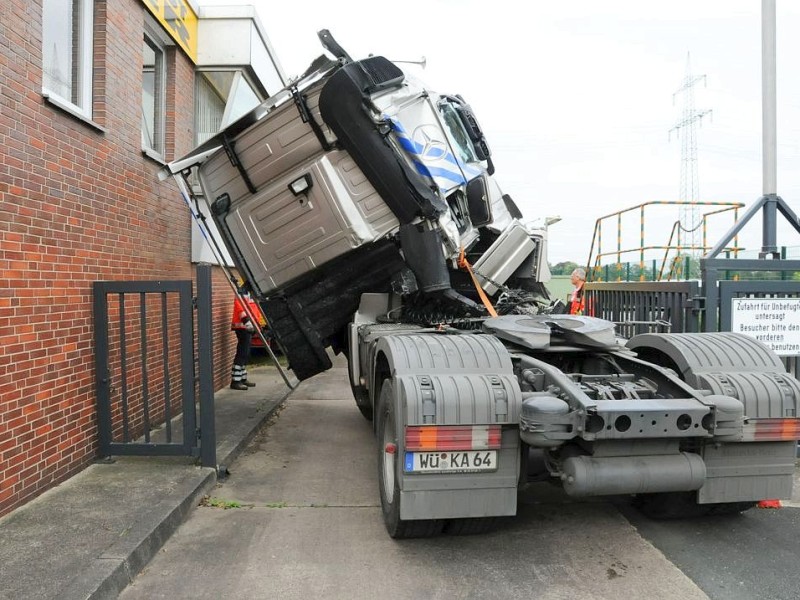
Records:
x=576, y=97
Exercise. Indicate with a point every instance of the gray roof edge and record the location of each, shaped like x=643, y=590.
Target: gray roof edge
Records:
x=244, y=11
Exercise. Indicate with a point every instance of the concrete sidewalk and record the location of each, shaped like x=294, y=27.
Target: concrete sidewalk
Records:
x=90, y=536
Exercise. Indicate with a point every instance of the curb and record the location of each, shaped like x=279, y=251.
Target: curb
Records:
x=116, y=568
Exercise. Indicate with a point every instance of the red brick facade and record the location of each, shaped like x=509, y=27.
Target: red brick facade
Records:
x=79, y=204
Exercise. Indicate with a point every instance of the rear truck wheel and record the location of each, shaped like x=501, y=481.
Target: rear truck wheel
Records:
x=361, y=396
x=389, y=462
x=473, y=526
x=729, y=508
x=670, y=505
x=734, y=368
x=683, y=505
x=696, y=356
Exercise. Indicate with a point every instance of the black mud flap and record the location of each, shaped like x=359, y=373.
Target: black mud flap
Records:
x=342, y=104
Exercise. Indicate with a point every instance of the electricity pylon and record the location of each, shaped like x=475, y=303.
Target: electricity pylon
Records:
x=686, y=130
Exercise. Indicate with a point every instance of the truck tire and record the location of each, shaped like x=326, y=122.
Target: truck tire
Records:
x=729, y=508
x=473, y=526
x=683, y=505
x=387, y=474
x=361, y=396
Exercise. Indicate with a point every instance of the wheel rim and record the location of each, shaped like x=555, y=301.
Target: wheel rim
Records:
x=388, y=459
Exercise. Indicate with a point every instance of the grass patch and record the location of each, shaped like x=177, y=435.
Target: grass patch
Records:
x=220, y=503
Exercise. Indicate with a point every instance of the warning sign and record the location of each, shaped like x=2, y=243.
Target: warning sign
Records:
x=773, y=321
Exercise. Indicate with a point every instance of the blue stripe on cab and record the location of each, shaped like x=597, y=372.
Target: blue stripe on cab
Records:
x=454, y=176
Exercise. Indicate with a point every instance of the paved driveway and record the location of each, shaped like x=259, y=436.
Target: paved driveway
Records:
x=300, y=518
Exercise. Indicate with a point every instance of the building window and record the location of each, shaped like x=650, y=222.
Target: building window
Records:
x=154, y=86
x=67, y=27
x=221, y=98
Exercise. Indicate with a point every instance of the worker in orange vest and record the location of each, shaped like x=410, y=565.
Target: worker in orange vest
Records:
x=243, y=326
x=576, y=302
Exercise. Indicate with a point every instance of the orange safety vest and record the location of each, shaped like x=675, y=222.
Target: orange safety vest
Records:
x=576, y=304
x=239, y=318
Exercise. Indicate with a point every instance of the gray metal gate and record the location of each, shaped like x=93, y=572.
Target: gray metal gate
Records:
x=145, y=368
x=648, y=306
x=684, y=306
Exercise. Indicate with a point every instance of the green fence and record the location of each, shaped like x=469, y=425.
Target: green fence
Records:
x=688, y=268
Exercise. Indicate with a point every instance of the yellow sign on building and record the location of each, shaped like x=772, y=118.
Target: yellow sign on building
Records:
x=180, y=21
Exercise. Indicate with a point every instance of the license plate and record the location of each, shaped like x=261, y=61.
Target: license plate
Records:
x=471, y=461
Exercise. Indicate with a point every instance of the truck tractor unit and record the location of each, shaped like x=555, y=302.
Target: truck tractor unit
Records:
x=363, y=211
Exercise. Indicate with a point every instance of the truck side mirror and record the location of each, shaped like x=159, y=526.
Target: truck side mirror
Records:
x=473, y=130
x=480, y=209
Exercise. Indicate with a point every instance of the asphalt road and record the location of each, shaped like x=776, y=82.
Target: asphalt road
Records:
x=755, y=555
x=299, y=517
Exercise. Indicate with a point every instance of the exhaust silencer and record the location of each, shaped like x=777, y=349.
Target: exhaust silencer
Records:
x=603, y=476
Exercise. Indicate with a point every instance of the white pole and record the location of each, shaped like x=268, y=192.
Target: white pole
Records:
x=769, y=120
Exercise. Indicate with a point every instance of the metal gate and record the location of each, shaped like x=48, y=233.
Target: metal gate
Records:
x=145, y=368
x=646, y=307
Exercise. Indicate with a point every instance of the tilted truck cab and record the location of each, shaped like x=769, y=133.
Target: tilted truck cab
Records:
x=362, y=208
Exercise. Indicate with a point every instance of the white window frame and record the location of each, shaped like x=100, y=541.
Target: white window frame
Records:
x=157, y=43
x=84, y=55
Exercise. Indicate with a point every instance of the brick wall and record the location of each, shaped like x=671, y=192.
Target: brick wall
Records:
x=78, y=205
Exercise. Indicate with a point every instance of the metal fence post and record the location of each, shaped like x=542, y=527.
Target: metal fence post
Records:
x=101, y=371
x=783, y=257
x=710, y=278
x=205, y=359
